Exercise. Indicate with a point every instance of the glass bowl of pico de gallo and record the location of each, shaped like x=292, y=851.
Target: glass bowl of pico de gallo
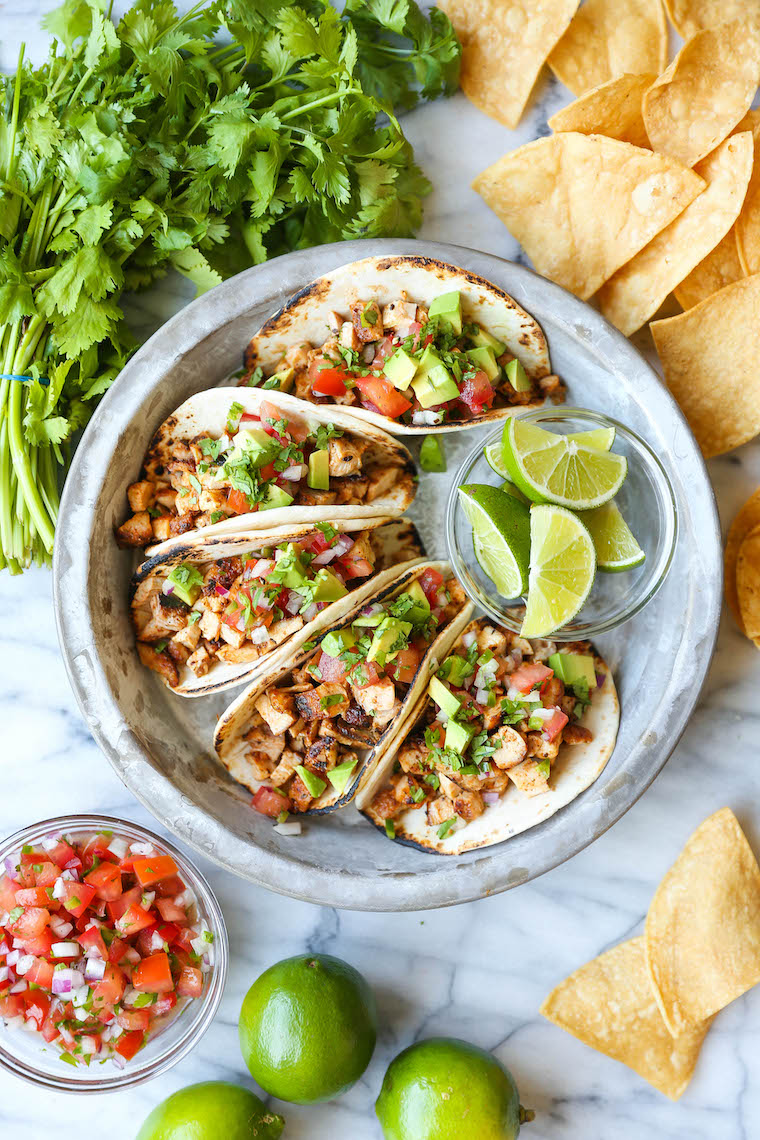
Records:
x=113, y=954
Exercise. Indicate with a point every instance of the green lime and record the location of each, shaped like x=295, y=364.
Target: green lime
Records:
x=616, y=548
x=214, y=1110
x=562, y=569
x=510, y=489
x=553, y=468
x=495, y=460
x=601, y=439
x=307, y=1028
x=444, y=1088
x=500, y=536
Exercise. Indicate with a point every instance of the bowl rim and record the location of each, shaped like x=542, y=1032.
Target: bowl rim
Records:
x=651, y=584
x=493, y=869
x=172, y=1053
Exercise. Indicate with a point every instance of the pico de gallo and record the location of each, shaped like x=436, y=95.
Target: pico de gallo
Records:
x=498, y=712
x=100, y=944
x=238, y=609
x=262, y=461
x=309, y=732
x=416, y=365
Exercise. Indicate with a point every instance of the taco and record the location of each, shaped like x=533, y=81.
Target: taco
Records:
x=231, y=458
x=507, y=733
x=303, y=737
x=407, y=343
x=216, y=611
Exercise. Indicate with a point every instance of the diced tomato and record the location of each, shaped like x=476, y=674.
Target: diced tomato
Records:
x=365, y=673
x=183, y=945
x=32, y=896
x=31, y=923
x=317, y=543
x=431, y=581
x=8, y=890
x=237, y=502
x=61, y=854
x=11, y=1006
x=477, y=392
x=36, y=1006
x=49, y=1029
x=269, y=411
x=134, y=1019
x=169, y=888
x=117, y=950
x=47, y=874
x=249, y=418
x=527, y=676
x=92, y=939
x=97, y=848
x=109, y=989
x=41, y=945
x=354, y=565
x=404, y=665
x=41, y=974
x=154, y=974
x=77, y=897
x=129, y=1043
x=383, y=349
x=268, y=801
x=387, y=399
x=331, y=668
x=170, y=912
x=106, y=879
x=329, y=382
x=117, y=908
x=164, y=1004
x=553, y=727
x=144, y=944
x=134, y=919
x=149, y=871
x=190, y=982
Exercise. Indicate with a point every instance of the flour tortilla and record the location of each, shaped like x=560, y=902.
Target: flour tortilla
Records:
x=306, y=318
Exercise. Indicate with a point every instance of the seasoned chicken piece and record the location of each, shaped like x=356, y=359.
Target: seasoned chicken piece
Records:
x=381, y=479
x=439, y=810
x=289, y=761
x=385, y=804
x=164, y=619
x=333, y=699
x=260, y=764
x=200, y=661
x=552, y=693
x=496, y=782
x=160, y=663
x=321, y=756
x=162, y=528
x=308, y=705
x=297, y=356
x=511, y=748
x=211, y=498
x=280, y=630
x=166, y=497
x=405, y=790
x=567, y=704
x=492, y=715
x=552, y=387
x=576, y=734
x=187, y=497
x=345, y=456
x=528, y=778
x=378, y=698
x=140, y=496
x=278, y=714
x=189, y=636
x=261, y=740
x=399, y=315
x=469, y=805
x=210, y=625
x=412, y=756
x=363, y=548
x=247, y=652
x=299, y=794
x=490, y=638
x=367, y=320
x=311, y=498
x=302, y=386
x=348, y=337
x=229, y=633
x=136, y=531
x=448, y=786
x=181, y=524
x=543, y=749
x=460, y=780
x=146, y=589
x=350, y=490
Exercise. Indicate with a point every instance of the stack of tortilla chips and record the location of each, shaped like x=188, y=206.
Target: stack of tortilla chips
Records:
x=742, y=568
x=650, y=1001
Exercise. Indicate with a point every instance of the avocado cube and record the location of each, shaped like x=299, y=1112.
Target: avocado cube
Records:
x=458, y=736
x=484, y=339
x=341, y=774
x=289, y=570
x=185, y=582
x=284, y=378
x=435, y=387
x=258, y=447
x=312, y=782
x=319, y=471
x=572, y=667
x=428, y=360
x=400, y=369
x=276, y=497
x=443, y=697
x=328, y=587
x=391, y=632
x=337, y=642
x=447, y=308
x=369, y=621
x=517, y=376
x=459, y=669
x=421, y=611
x=484, y=359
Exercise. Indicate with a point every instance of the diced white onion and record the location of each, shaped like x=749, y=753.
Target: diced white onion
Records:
x=148, y=898
x=88, y=1045
x=70, y=876
x=81, y=1014
x=442, y=716
x=260, y=568
x=80, y=995
x=118, y=847
x=156, y=941
x=95, y=969
x=50, y=842
x=13, y=958
x=310, y=612
x=543, y=714
x=295, y=473
x=426, y=419
x=4, y=972
x=65, y=949
x=490, y=797
x=130, y=996
x=481, y=696
x=259, y=635
x=469, y=639
x=290, y=827
x=343, y=544
x=294, y=602
x=18, y=1023
x=142, y=848
x=18, y=988
x=25, y=963
x=60, y=927
x=325, y=557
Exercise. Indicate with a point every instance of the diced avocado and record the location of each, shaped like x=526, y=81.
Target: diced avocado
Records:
x=258, y=447
x=328, y=587
x=337, y=642
x=319, y=471
x=276, y=497
x=313, y=783
x=448, y=309
x=186, y=582
x=458, y=736
x=369, y=621
x=284, y=378
x=572, y=667
x=517, y=377
x=417, y=594
x=459, y=669
x=435, y=386
x=341, y=774
x=443, y=697
x=432, y=457
x=289, y=570
x=484, y=339
x=391, y=632
x=484, y=359
x=428, y=360
x=400, y=369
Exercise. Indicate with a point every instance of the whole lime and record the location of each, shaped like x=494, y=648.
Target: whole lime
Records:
x=308, y=1027
x=443, y=1087
x=214, y=1110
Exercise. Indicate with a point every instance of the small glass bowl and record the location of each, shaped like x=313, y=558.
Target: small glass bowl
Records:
x=646, y=501
x=26, y=1055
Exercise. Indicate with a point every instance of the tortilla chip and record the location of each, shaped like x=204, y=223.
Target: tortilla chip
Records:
x=583, y=205
x=607, y=38
x=692, y=16
x=637, y=290
x=746, y=520
x=748, y=585
x=703, y=926
x=721, y=267
x=613, y=109
x=504, y=46
x=705, y=92
x=709, y=355
x=748, y=225
x=609, y=1004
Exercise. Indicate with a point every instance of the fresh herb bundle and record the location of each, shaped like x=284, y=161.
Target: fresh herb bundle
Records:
x=205, y=141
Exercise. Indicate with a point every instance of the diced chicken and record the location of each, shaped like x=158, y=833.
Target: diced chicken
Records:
x=140, y=496
x=229, y=633
x=552, y=692
x=553, y=387
x=299, y=795
x=345, y=456
x=497, y=781
x=200, y=661
x=211, y=498
x=187, y=497
x=311, y=498
x=492, y=717
x=469, y=805
x=412, y=756
x=350, y=489
x=160, y=663
x=543, y=749
x=377, y=698
x=567, y=704
x=297, y=356
x=210, y=625
x=166, y=497
x=449, y=788
x=381, y=479
x=136, y=531
x=528, y=778
x=385, y=805
x=490, y=638
x=439, y=810
x=164, y=619
x=146, y=589
x=302, y=386
x=279, y=631
x=407, y=792
x=576, y=734
x=261, y=740
x=367, y=320
x=162, y=528
x=189, y=636
x=289, y=761
x=308, y=705
x=333, y=699
x=181, y=524
x=511, y=748
x=363, y=548
x=322, y=756
x=260, y=764
x=247, y=652
x=399, y=315
x=348, y=337
x=275, y=712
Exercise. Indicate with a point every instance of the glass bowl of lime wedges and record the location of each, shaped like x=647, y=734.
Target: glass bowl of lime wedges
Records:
x=561, y=523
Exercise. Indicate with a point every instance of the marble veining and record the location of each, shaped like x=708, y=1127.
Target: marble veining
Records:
x=478, y=971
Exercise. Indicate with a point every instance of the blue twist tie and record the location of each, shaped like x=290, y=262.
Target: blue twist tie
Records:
x=13, y=376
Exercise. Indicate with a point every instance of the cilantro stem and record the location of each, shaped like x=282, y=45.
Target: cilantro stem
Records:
x=333, y=97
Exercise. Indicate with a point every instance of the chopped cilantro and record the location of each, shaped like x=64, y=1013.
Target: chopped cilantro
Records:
x=330, y=700
x=193, y=617
x=390, y=829
x=446, y=827
x=233, y=417
x=15, y=914
x=211, y=447
x=544, y=767
x=217, y=516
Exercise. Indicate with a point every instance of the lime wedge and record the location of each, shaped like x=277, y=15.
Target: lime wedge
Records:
x=500, y=536
x=562, y=568
x=494, y=459
x=551, y=468
x=509, y=489
x=601, y=439
x=616, y=548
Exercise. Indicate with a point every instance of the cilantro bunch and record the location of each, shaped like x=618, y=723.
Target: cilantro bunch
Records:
x=203, y=141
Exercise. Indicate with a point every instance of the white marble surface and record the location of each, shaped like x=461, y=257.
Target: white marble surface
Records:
x=479, y=971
